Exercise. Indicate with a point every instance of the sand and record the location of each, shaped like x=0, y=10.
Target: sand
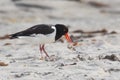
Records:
x=96, y=56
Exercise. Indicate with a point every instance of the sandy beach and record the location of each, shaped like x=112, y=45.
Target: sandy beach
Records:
x=94, y=26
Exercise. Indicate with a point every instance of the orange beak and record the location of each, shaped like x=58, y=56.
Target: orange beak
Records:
x=68, y=37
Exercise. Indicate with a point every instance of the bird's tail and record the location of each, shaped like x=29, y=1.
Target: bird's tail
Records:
x=16, y=35
x=9, y=36
x=13, y=36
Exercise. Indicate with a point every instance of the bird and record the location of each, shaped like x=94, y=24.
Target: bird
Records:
x=43, y=34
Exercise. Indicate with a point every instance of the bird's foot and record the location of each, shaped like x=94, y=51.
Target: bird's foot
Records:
x=42, y=58
x=50, y=58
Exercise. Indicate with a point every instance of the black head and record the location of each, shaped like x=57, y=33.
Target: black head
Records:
x=60, y=30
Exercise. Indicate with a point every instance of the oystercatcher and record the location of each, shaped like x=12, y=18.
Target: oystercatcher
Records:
x=43, y=34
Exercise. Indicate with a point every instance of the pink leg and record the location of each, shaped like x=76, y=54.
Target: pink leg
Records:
x=44, y=51
x=40, y=48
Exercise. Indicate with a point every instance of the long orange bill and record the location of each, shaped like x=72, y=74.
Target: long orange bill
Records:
x=68, y=38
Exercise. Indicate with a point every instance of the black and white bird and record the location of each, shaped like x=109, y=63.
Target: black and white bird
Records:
x=43, y=34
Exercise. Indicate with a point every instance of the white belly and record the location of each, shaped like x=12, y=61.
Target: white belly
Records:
x=40, y=38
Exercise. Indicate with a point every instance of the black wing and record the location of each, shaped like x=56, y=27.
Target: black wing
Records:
x=37, y=29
